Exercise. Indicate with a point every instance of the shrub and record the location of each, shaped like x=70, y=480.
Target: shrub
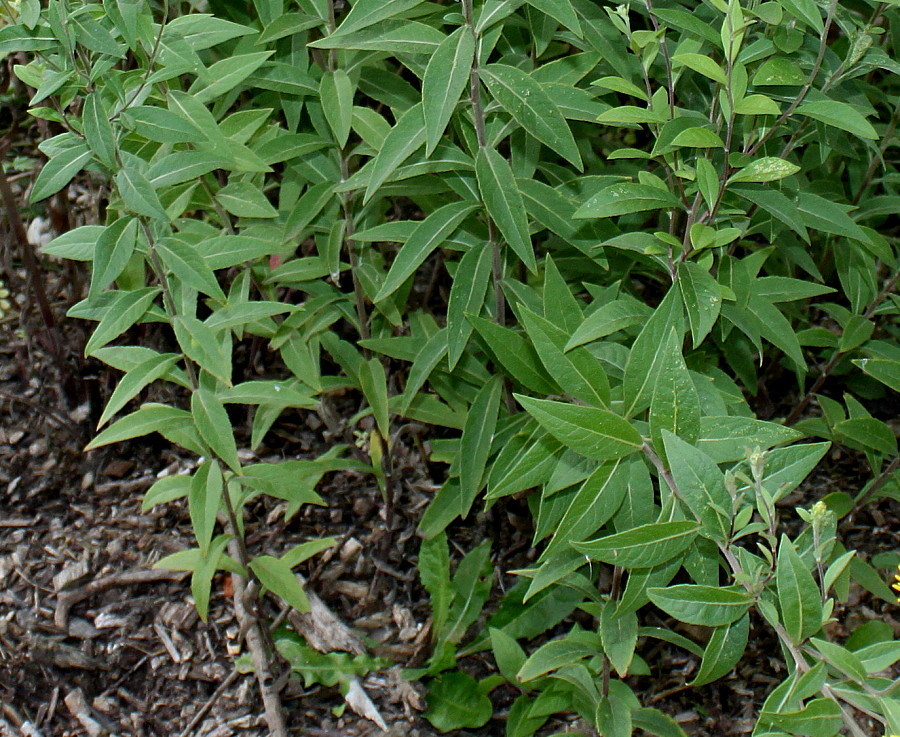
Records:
x=587, y=245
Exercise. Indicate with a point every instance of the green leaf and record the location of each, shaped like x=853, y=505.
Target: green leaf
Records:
x=112, y=253
x=365, y=13
x=698, y=137
x=885, y=370
x=445, y=78
x=272, y=393
x=504, y=204
x=513, y=354
x=508, y=653
x=214, y=426
x=828, y=217
x=559, y=653
x=58, y=172
x=710, y=606
x=777, y=205
x=138, y=195
x=470, y=282
x=787, y=467
x=202, y=30
x=373, y=382
x=161, y=125
x=655, y=722
x=561, y=10
x=243, y=200
x=428, y=358
x=304, y=551
x=723, y=651
x=203, y=501
x=642, y=547
x=595, y=502
x=703, y=65
x=730, y=437
x=617, y=315
x=166, y=489
x=526, y=461
x=799, y=598
x=701, y=485
x=135, y=380
x=201, y=580
x=475, y=445
x=399, y=144
x=532, y=108
x=594, y=433
x=188, y=265
x=98, y=131
x=619, y=633
x=277, y=576
x=225, y=75
x=455, y=702
x=702, y=299
x=149, y=418
x=757, y=105
x=766, y=169
x=202, y=345
x=395, y=37
x=818, y=718
x=428, y=235
x=648, y=353
x=434, y=572
x=336, y=93
x=867, y=433
x=840, y=115
x=471, y=589
x=579, y=373
x=125, y=309
x=675, y=405
x=625, y=198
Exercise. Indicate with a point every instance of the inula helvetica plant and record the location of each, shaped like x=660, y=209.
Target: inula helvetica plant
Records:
x=634, y=263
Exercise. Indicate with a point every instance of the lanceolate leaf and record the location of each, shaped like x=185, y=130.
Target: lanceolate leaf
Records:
x=700, y=484
x=476, y=442
x=532, y=108
x=622, y=199
x=704, y=605
x=135, y=380
x=277, y=576
x=214, y=427
x=126, y=308
x=466, y=297
x=561, y=10
x=58, y=172
x=504, y=203
x=203, y=502
x=445, y=78
x=594, y=433
x=365, y=13
x=399, y=144
x=428, y=235
x=149, y=418
x=723, y=651
x=643, y=547
x=595, y=502
x=702, y=299
x=799, y=597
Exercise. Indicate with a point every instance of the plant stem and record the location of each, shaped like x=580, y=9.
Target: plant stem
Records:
x=481, y=137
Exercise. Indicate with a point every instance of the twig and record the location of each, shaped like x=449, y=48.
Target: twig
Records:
x=48, y=413
x=249, y=624
x=67, y=600
x=204, y=710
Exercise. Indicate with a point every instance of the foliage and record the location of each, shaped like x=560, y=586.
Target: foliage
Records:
x=640, y=206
